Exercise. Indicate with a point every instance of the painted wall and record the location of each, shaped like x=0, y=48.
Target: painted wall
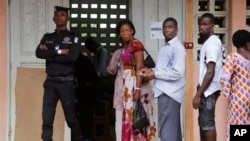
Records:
x=3, y=73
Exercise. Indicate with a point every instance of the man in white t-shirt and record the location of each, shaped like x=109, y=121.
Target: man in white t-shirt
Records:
x=208, y=90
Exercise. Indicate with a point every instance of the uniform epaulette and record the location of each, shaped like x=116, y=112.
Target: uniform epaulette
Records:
x=47, y=33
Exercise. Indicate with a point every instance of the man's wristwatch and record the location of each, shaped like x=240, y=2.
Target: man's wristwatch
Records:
x=59, y=51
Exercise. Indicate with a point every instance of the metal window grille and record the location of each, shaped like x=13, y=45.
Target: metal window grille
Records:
x=248, y=14
x=220, y=10
x=98, y=19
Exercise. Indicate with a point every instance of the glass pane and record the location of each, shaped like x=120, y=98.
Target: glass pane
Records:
x=93, y=6
x=112, y=44
x=248, y=4
x=198, y=55
x=92, y=25
x=219, y=5
x=93, y=35
x=85, y=6
x=83, y=25
x=103, y=44
x=74, y=15
x=84, y=34
x=221, y=36
x=122, y=6
x=220, y=22
x=203, y=5
x=74, y=5
x=103, y=35
x=112, y=35
x=73, y=24
x=103, y=16
x=84, y=16
x=122, y=16
x=104, y=6
x=103, y=25
x=248, y=21
x=112, y=25
x=93, y=16
x=113, y=16
x=113, y=6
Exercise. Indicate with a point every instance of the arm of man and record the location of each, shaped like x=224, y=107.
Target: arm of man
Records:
x=69, y=55
x=42, y=50
x=175, y=72
x=103, y=62
x=206, y=82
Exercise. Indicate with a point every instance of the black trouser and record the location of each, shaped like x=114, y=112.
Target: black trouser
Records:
x=65, y=92
x=86, y=95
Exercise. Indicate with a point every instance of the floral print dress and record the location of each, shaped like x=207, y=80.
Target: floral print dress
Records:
x=235, y=82
x=129, y=82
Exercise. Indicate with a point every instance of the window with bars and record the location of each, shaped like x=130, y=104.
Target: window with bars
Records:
x=219, y=8
x=98, y=19
x=248, y=14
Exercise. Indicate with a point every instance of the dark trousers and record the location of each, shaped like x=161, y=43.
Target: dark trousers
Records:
x=65, y=92
x=86, y=95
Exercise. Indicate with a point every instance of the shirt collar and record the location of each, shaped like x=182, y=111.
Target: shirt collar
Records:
x=171, y=42
x=62, y=31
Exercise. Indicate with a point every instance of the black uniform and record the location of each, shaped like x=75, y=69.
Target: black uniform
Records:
x=59, y=84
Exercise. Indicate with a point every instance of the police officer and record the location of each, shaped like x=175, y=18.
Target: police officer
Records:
x=60, y=49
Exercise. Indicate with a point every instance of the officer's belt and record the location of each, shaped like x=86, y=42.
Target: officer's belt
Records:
x=60, y=78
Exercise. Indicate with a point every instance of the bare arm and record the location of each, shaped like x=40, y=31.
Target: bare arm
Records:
x=139, y=65
x=206, y=82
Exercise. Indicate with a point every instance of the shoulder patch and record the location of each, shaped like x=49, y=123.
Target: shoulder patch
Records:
x=76, y=39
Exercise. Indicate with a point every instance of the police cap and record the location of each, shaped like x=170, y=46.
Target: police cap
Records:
x=59, y=8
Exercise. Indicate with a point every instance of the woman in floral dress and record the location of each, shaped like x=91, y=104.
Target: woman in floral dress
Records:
x=235, y=81
x=131, y=88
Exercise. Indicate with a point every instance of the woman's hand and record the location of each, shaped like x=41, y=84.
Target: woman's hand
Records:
x=137, y=95
x=147, y=74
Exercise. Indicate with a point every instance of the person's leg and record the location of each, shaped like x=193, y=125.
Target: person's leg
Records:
x=207, y=117
x=50, y=100
x=118, y=124
x=86, y=99
x=66, y=90
x=210, y=135
x=169, y=119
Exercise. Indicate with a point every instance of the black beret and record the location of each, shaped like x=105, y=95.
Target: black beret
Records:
x=59, y=8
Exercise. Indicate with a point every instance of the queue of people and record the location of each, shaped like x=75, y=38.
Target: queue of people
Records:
x=64, y=62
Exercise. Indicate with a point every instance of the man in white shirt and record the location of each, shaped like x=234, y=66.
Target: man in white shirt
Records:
x=169, y=82
x=208, y=90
